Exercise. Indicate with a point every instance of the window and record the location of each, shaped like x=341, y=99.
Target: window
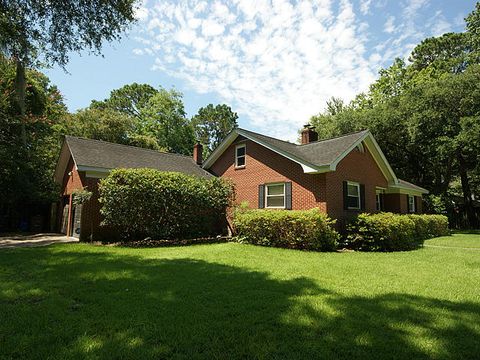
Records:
x=353, y=195
x=411, y=203
x=378, y=199
x=240, y=155
x=275, y=195
x=360, y=148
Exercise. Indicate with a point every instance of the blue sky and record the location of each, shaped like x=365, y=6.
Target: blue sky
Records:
x=274, y=62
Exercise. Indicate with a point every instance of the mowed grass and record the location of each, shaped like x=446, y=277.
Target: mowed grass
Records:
x=232, y=301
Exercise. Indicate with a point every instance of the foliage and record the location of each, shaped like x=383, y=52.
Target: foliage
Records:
x=424, y=115
x=393, y=232
x=163, y=205
x=36, y=30
x=297, y=229
x=212, y=124
x=81, y=196
x=26, y=173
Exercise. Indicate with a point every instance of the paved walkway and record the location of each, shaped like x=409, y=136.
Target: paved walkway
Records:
x=13, y=241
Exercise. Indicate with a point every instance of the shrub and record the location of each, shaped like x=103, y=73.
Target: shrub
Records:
x=394, y=232
x=163, y=205
x=309, y=230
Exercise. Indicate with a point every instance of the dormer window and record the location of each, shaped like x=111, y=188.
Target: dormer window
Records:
x=240, y=155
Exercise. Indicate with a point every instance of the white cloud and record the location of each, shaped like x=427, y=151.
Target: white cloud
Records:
x=276, y=63
x=389, y=26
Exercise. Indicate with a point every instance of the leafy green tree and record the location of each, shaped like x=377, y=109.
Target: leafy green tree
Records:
x=212, y=124
x=165, y=119
x=34, y=32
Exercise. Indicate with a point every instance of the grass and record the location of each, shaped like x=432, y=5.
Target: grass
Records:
x=240, y=301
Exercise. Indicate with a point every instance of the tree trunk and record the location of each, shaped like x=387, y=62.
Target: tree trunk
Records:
x=467, y=192
x=20, y=90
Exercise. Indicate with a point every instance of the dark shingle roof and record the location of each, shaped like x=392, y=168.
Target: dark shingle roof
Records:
x=106, y=155
x=318, y=153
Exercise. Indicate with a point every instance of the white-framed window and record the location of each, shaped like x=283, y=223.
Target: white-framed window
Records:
x=240, y=155
x=275, y=196
x=360, y=148
x=378, y=199
x=411, y=203
x=353, y=195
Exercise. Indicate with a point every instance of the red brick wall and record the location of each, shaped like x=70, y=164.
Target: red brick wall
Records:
x=324, y=191
x=265, y=166
x=357, y=167
x=399, y=203
x=73, y=182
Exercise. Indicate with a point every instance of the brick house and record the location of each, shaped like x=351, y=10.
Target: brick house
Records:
x=341, y=176
x=83, y=162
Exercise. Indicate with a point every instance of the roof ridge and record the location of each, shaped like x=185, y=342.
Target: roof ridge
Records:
x=271, y=137
x=129, y=146
x=335, y=137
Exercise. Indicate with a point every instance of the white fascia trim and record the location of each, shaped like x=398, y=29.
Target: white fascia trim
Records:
x=383, y=159
x=94, y=172
x=220, y=149
x=400, y=189
x=307, y=168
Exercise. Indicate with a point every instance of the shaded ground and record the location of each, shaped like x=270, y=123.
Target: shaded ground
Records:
x=10, y=241
x=238, y=301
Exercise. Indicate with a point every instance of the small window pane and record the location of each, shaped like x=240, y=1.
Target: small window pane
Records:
x=352, y=190
x=241, y=161
x=275, y=201
x=275, y=189
x=241, y=151
x=353, y=202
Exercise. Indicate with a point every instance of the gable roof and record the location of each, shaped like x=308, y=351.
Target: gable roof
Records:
x=102, y=156
x=318, y=156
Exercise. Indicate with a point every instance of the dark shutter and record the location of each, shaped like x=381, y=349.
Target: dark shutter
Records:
x=416, y=203
x=261, y=196
x=345, y=195
x=382, y=202
x=408, y=204
x=362, y=197
x=288, y=195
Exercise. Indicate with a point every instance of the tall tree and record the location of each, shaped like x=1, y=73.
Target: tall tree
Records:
x=212, y=124
x=37, y=31
x=165, y=119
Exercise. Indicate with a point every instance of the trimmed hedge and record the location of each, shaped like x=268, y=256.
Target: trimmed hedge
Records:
x=143, y=203
x=394, y=232
x=294, y=229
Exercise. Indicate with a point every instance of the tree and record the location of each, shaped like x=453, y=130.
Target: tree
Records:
x=34, y=32
x=165, y=119
x=212, y=124
x=129, y=99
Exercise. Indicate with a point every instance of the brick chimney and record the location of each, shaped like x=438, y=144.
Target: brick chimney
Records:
x=309, y=134
x=198, y=153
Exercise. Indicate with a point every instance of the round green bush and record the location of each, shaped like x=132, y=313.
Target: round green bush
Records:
x=143, y=203
x=293, y=229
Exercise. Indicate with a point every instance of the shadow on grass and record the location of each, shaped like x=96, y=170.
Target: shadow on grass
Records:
x=66, y=304
x=467, y=231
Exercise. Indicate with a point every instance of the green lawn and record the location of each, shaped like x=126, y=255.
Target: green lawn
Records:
x=240, y=301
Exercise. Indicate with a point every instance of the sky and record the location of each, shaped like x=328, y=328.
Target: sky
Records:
x=275, y=62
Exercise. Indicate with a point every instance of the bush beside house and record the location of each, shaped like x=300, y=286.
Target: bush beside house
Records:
x=393, y=232
x=143, y=203
x=296, y=229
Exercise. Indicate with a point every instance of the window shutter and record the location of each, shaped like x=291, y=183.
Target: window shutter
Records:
x=382, y=202
x=362, y=196
x=261, y=196
x=416, y=204
x=408, y=204
x=345, y=196
x=288, y=195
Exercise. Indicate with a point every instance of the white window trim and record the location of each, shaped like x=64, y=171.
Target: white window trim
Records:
x=412, y=210
x=239, y=146
x=359, y=195
x=378, y=202
x=267, y=196
x=361, y=148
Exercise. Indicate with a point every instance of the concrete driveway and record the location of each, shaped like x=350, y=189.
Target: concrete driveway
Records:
x=12, y=241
